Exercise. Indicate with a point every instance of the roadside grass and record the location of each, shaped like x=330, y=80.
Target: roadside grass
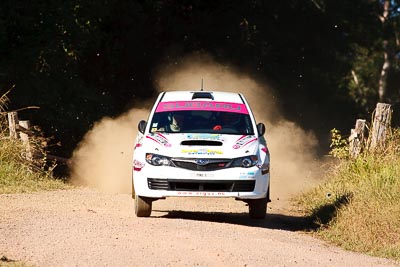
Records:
x=18, y=175
x=358, y=207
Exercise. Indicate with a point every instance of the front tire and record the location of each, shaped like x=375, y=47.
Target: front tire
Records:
x=133, y=190
x=258, y=208
x=143, y=206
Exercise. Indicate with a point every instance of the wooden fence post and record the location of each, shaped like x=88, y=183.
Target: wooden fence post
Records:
x=24, y=126
x=356, y=139
x=380, y=126
x=13, y=124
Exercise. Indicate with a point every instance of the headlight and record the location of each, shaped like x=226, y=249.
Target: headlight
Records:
x=157, y=160
x=245, y=162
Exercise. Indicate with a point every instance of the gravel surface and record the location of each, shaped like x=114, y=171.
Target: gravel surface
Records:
x=84, y=227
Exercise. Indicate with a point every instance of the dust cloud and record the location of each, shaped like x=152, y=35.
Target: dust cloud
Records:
x=104, y=157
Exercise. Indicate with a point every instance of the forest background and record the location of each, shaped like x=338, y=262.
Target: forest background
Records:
x=329, y=61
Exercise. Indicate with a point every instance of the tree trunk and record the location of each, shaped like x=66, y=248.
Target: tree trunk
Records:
x=386, y=64
x=384, y=73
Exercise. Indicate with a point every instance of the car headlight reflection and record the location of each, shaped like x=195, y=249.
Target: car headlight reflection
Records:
x=157, y=160
x=245, y=162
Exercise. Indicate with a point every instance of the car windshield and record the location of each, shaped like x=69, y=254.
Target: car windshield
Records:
x=202, y=121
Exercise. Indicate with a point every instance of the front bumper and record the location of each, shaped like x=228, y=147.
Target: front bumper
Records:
x=165, y=181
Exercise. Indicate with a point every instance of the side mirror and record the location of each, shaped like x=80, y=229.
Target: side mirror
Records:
x=261, y=128
x=142, y=126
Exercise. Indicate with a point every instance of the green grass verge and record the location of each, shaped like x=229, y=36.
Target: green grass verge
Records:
x=358, y=207
x=15, y=178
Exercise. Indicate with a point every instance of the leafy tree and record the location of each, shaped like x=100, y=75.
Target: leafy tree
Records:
x=374, y=72
x=42, y=47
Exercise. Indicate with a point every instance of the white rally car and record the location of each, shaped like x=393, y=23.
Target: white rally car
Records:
x=201, y=144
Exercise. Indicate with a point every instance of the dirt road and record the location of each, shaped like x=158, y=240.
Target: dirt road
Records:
x=83, y=227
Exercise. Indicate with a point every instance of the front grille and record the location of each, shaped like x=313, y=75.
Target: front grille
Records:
x=201, y=185
x=158, y=184
x=212, y=165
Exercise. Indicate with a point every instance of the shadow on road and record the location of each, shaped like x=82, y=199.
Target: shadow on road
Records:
x=272, y=221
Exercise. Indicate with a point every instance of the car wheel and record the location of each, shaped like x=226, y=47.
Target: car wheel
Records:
x=143, y=206
x=133, y=190
x=258, y=208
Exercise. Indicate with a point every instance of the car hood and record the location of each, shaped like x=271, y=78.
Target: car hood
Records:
x=191, y=145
